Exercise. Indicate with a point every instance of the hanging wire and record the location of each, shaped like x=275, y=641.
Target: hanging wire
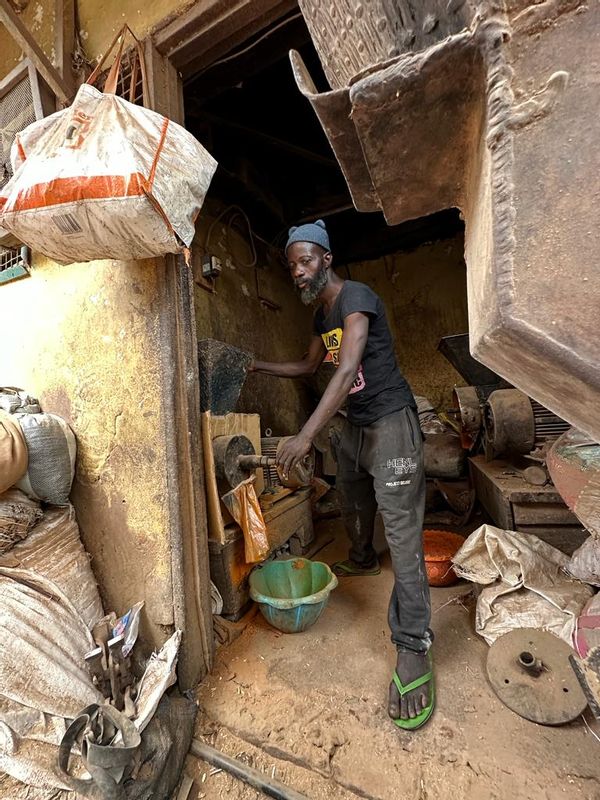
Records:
x=237, y=212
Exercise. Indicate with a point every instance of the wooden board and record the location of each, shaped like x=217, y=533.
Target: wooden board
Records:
x=564, y=537
x=212, y=426
x=491, y=496
x=543, y=514
x=514, y=504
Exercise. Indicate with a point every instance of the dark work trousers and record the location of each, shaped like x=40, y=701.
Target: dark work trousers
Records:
x=381, y=466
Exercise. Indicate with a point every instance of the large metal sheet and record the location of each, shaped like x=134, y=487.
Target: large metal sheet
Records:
x=334, y=112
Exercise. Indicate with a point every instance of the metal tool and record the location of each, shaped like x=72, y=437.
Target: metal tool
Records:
x=258, y=780
x=530, y=672
x=236, y=459
x=94, y=661
x=111, y=671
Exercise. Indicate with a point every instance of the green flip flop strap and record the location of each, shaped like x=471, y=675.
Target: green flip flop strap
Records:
x=402, y=689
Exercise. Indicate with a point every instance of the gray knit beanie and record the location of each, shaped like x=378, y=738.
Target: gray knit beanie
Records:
x=314, y=232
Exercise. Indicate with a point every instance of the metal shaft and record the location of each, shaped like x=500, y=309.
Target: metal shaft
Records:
x=253, y=462
x=252, y=777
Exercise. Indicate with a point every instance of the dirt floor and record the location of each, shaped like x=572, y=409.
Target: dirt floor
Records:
x=310, y=709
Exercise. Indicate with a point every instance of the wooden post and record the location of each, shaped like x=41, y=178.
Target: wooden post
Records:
x=31, y=48
x=64, y=39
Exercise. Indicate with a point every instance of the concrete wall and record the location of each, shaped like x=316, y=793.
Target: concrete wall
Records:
x=86, y=340
x=425, y=295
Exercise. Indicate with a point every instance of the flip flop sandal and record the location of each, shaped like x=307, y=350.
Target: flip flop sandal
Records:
x=346, y=569
x=425, y=714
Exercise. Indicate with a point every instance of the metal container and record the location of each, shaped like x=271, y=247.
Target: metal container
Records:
x=352, y=35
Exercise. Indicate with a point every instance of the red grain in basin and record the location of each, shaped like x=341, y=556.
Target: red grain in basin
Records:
x=439, y=548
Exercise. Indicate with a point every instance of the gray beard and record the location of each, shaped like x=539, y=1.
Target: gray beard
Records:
x=310, y=293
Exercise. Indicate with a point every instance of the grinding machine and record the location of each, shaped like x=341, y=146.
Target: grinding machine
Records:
x=508, y=436
x=234, y=451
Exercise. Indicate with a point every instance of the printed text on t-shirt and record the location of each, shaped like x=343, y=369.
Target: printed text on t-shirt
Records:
x=333, y=343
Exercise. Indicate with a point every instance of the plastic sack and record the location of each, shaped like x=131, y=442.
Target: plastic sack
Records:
x=13, y=451
x=18, y=515
x=242, y=504
x=13, y=399
x=54, y=551
x=584, y=564
x=52, y=449
x=587, y=633
x=104, y=179
x=129, y=625
x=525, y=584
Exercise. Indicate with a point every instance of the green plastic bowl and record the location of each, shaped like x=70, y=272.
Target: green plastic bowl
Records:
x=292, y=594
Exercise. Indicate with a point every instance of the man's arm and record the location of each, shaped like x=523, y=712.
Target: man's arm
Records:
x=356, y=330
x=294, y=369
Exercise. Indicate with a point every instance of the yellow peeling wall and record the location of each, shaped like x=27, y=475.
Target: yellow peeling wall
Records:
x=236, y=315
x=85, y=338
x=99, y=21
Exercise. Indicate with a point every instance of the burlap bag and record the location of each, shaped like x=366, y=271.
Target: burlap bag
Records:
x=13, y=452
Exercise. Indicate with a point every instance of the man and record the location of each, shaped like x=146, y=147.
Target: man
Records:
x=380, y=461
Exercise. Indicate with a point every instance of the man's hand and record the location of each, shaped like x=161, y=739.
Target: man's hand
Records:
x=293, y=451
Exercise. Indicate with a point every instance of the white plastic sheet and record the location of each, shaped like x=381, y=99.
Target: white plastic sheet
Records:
x=525, y=584
x=105, y=178
x=584, y=564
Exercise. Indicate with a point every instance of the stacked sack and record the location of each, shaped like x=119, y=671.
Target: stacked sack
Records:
x=37, y=464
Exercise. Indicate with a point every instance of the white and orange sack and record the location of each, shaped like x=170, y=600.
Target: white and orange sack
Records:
x=105, y=178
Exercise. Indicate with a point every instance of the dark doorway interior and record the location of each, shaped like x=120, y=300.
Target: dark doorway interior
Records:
x=274, y=159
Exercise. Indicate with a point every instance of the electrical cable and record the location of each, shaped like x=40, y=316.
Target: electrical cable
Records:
x=238, y=212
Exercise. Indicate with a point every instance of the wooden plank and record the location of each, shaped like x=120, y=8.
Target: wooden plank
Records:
x=292, y=516
x=209, y=30
x=31, y=48
x=268, y=499
x=186, y=495
x=64, y=39
x=164, y=85
x=491, y=496
x=216, y=528
x=564, y=538
x=228, y=425
x=510, y=481
x=14, y=77
x=543, y=514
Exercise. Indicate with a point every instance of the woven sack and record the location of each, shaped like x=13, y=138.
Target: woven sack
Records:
x=13, y=451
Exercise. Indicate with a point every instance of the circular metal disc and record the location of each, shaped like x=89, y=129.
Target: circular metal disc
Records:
x=554, y=696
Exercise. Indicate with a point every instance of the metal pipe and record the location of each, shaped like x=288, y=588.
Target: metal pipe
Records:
x=251, y=462
x=254, y=778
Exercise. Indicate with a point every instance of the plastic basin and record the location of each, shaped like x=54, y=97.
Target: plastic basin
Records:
x=439, y=548
x=292, y=594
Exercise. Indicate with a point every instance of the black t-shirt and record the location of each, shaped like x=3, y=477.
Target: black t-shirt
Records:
x=380, y=387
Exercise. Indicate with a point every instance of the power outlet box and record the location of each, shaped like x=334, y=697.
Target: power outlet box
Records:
x=211, y=266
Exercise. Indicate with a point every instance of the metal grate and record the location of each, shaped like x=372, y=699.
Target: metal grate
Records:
x=129, y=66
x=14, y=263
x=16, y=112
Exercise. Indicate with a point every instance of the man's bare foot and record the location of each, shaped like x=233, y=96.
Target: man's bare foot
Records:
x=409, y=667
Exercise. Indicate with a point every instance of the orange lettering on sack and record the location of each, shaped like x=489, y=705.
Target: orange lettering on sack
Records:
x=80, y=125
